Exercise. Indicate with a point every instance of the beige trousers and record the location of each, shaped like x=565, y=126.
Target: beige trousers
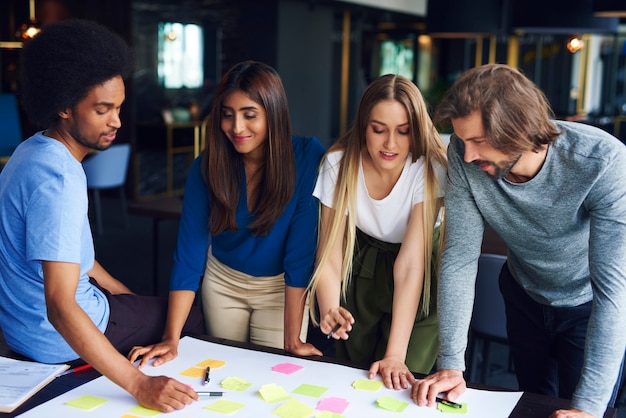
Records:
x=245, y=308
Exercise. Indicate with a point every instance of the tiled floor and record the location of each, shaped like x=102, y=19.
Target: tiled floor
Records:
x=127, y=252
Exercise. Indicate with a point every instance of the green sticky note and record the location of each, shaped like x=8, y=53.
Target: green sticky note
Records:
x=328, y=414
x=273, y=393
x=452, y=410
x=144, y=411
x=368, y=385
x=391, y=404
x=293, y=409
x=310, y=390
x=224, y=406
x=86, y=402
x=235, y=383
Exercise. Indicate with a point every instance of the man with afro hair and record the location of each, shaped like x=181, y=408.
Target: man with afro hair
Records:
x=57, y=303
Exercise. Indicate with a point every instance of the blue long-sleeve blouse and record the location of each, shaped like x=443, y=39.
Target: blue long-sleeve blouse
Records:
x=289, y=247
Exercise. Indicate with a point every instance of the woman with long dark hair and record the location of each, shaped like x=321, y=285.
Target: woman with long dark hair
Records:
x=249, y=221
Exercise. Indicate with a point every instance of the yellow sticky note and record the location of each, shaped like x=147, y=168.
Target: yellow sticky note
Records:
x=310, y=390
x=391, y=404
x=224, y=406
x=452, y=410
x=273, y=393
x=235, y=383
x=293, y=409
x=144, y=411
x=193, y=372
x=129, y=416
x=368, y=385
x=86, y=402
x=328, y=414
x=214, y=364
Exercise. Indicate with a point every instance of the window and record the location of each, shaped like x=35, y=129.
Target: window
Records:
x=397, y=57
x=180, y=55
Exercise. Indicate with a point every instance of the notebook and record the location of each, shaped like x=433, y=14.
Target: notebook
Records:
x=19, y=380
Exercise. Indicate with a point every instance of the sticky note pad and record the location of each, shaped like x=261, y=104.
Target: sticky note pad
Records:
x=328, y=414
x=194, y=372
x=332, y=404
x=293, y=409
x=225, y=407
x=273, y=393
x=129, y=416
x=235, y=383
x=287, y=368
x=310, y=390
x=144, y=412
x=452, y=410
x=86, y=402
x=391, y=404
x=368, y=385
x=214, y=364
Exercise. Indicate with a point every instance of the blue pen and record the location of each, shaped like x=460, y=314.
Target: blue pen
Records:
x=211, y=393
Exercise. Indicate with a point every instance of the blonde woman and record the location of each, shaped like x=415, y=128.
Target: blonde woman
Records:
x=381, y=189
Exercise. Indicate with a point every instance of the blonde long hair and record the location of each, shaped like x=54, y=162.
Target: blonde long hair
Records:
x=425, y=141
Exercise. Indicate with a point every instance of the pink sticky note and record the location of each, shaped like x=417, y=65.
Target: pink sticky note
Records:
x=335, y=405
x=287, y=368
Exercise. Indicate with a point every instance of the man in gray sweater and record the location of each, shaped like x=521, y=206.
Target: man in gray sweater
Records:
x=555, y=192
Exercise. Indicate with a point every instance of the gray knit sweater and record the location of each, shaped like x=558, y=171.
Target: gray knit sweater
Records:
x=566, y=234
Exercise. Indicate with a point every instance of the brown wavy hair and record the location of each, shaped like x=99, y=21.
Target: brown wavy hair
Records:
x=516, y=115
x=222, y=165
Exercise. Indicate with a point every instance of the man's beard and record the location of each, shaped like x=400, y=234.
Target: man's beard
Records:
x=502, y=169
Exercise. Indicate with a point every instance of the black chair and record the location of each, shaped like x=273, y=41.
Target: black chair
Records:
x=489, y=319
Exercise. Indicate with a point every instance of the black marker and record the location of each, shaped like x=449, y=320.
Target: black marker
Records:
x=329, y=336
x=207, y=379
x=448, y=403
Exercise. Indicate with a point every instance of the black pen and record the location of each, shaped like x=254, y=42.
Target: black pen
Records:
x=329, y=336
x=448, y=403
x=211, y=393
x=207, y=379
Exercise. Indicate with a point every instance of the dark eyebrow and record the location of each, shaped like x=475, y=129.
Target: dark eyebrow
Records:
x=243, y=108
x=382, y=123
x=106, y=104
x=474, y=138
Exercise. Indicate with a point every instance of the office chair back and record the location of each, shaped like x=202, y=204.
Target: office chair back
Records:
x=107, y=170
x=489, y=318
x=10, y=128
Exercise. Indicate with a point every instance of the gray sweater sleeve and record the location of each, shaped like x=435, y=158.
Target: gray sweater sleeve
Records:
x=566, y=234
x=463, y=239
x=606, y=339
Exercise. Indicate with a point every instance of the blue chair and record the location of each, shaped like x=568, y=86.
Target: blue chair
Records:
x=107, y=170
x=10, y=128
x=489, y=318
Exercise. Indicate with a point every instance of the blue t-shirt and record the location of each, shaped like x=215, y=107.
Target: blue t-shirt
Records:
x=289, y=247
x=43, y=216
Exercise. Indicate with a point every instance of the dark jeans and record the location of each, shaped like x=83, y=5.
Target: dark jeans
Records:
x=547, y=343
x=140, y=320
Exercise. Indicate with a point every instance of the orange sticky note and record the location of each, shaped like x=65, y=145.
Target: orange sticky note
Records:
x=214, y=364
x=193, y=372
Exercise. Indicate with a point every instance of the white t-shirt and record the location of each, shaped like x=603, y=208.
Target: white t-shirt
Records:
x=384, y=219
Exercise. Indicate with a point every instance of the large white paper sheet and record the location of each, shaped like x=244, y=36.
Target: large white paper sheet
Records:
x=256, y=368
x=19, y=380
